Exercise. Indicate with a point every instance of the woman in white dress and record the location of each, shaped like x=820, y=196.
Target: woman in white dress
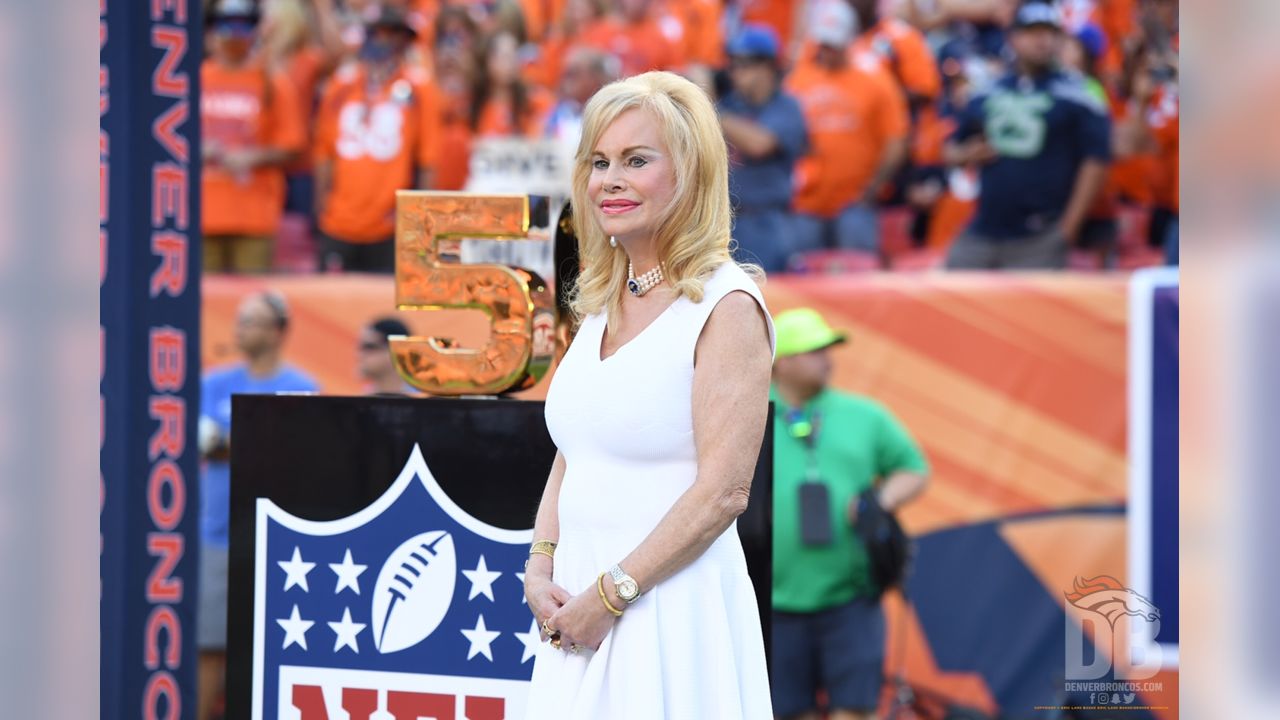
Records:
x=636, y=574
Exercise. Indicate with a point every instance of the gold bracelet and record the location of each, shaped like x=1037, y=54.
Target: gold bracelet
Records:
x=543, y=547
x=605, y=598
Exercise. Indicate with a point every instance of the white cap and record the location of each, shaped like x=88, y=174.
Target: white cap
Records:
x=832, y=23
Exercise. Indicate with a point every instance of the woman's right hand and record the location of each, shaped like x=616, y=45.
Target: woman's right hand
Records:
x=544, y=597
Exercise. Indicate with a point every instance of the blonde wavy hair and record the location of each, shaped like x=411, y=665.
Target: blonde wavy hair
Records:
x=692, y=236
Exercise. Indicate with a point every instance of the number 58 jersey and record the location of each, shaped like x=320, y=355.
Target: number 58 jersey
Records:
x=376, y=142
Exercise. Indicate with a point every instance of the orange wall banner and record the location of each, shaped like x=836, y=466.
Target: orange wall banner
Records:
x=1015, y=386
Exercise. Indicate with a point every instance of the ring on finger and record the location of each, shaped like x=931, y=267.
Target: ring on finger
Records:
x=546, y=628
x=555, y=642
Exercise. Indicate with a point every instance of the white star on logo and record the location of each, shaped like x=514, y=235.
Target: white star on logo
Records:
x=295, y=629
x=480, y=638
x=530, y=640
x=523, y=600
x=346, y=630
x=481, y=580
x=348, y=574
x=297, y=571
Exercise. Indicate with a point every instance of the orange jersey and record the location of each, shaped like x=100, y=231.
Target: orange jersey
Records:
x=851, y=114
x=639, y=47
x=375, y=144
x=1162, y=118
x=242, y=108
x=902, y=51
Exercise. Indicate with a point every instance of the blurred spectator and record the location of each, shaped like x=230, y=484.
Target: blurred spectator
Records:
x=1162, y=118
x=973, y=31
x=586, y=70
x=1115, y=24
x=508, y=16
x=764, y=127
x=633, y=34
x=379, y=124
x=352, y=15
x=578, y=19
x=457, y=38
x=1043, y=142
x=534, y=18
x=1150, y=124
x=830, y=448
x=693, y=26
x=290, y=45
x=1160, y=20
x=1081, y=52
x=262, y=323
x=251, y=127
x=502, y=103
x=904, y=53
x=374, y=361
x=901, y=50
x=857, y=123
x=786, y=17
x=307, y=58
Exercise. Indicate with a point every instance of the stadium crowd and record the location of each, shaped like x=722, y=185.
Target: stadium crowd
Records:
x=901, y=134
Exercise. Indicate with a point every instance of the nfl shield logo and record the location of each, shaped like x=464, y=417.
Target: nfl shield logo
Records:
x=409, y=608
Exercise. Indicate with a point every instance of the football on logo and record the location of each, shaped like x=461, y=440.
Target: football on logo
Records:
x=414, y=590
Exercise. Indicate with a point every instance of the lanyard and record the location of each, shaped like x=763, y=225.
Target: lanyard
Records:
x=804, y=427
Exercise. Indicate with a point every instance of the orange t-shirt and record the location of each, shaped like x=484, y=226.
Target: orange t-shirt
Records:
x=375, y=145
x=851, y=114
x=904, y=53
x=1162, y=118
x=639, y=47
x=239, y=110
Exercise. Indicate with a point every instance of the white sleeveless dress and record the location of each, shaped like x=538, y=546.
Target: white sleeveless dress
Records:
x=691, y=647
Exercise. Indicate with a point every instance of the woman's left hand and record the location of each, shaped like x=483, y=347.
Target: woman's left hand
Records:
x=584, y=621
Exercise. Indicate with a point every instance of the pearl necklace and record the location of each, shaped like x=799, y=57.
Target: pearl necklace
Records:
x=646, y=282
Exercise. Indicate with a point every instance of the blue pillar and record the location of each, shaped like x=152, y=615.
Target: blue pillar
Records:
x=150, y=354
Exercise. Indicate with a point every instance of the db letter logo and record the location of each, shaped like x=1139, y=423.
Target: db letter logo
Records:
x=1116, y=621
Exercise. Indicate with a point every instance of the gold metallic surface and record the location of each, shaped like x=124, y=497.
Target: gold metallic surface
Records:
x=429, y=226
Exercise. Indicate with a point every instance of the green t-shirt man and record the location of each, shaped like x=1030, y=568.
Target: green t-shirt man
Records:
x=857, y=441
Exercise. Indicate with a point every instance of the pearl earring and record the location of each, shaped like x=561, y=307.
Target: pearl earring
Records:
x=613, y=241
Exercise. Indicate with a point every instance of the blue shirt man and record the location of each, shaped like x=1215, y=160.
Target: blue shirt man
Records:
x=765, y=129
x=216, y=389
x=1043, y=140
